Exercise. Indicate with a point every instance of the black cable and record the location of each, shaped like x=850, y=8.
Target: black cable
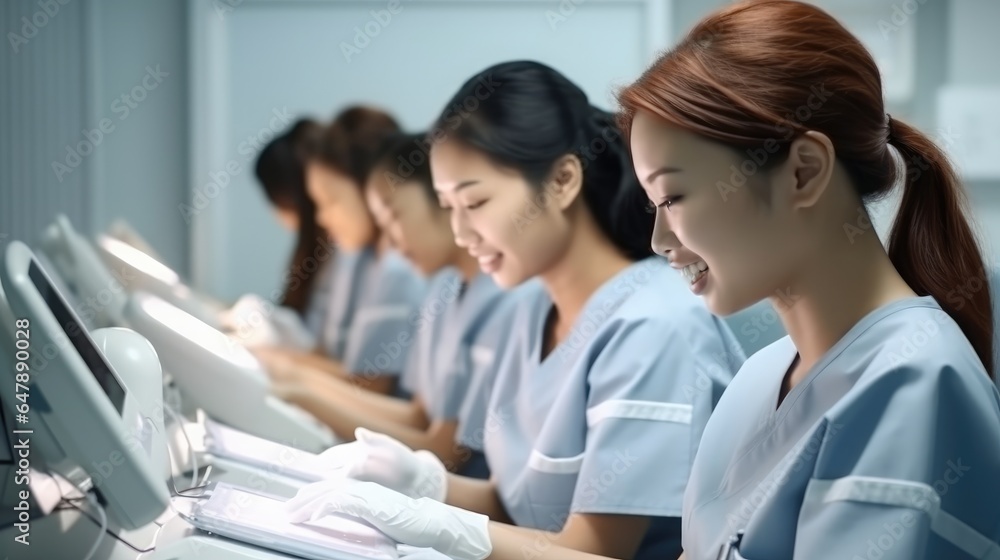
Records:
x=96, y=522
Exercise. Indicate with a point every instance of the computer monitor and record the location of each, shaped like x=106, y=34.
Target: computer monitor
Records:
x=123, y=231
x=82, y=399
x=46, y=452
x=150, y=275
x=100, y=294
x=216, y=373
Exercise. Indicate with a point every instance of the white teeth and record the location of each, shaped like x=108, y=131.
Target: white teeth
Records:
x=488, y=263
x=692, y=272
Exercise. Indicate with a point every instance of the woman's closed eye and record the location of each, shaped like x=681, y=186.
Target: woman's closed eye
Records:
x=665, y=203
x=471, y=206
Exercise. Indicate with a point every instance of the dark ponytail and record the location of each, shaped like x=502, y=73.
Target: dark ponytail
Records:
x=612, y=188
x=280, y=169
x=525, y=116
x=404, y=161
x=932, y=245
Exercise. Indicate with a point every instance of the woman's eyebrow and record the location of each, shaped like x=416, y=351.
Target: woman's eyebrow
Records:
x=459, y=186
x=661, y=171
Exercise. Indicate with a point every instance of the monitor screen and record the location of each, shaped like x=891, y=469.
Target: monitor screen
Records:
x=77, y=335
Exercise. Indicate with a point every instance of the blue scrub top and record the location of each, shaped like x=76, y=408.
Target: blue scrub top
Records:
x=319, y=299
x=489, y=345
x=449, y=362
x=889, y=448
x=367, y=327
x=445, y=360
x=610, y=420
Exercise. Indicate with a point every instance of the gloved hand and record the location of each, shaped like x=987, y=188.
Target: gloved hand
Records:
x=376, y=457
x=422, y=522
x=408, y=552
x=249, y=321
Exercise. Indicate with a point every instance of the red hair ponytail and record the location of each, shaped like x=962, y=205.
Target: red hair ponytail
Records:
x=758, y=74
x=932, y=245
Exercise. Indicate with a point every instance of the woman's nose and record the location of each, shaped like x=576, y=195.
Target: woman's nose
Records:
x=664, y=241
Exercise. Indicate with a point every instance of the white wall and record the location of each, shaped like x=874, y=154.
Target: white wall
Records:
x=44, y=73
x=268, y=56
x=277, y=54
x=601, y=44
x=972, y=60
x=69, y=77
x=141, y=169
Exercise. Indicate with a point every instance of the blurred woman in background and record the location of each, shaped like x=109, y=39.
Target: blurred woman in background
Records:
x=449, y=363
x=280, y=170
x=374, y=290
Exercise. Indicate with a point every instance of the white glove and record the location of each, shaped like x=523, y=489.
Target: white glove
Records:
x=376, y=457
x=419, y=553
x=422, y=522
x=248, y=319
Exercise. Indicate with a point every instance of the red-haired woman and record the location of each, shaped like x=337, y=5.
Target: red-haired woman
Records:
x=873, y=430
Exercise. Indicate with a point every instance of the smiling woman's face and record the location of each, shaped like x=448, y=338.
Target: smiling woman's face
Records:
x=732, y=244
x=412, y=221
x=499, y=218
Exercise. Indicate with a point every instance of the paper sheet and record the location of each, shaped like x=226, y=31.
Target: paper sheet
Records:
x=232, y=507
x=229, y=443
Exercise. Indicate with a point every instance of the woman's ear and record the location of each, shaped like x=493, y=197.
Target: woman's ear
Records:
x=565, y=182
x=808, y=169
